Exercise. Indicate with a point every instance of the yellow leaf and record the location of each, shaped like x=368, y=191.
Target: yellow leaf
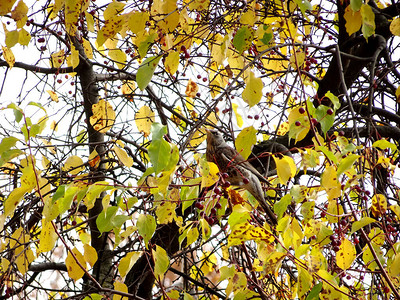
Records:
x=19, y=13
x=114, y=8
x=143, y=119
x=172, y=62
x=252, y=93
x=197, y=138
x=297, y=59
x=395, y=26
x=111, y=27
x=118, y=56
x=123, y=157
x=330, y=183
x=239, y=118
x=243, y=232
x=191, y=89
x=394, y=268
x=57, y=58
x=48, y=237
x=103, y=116
x=245, y=141
x=379, y=205
x=12, y=38
x=73, y=165
x=53, y=95
x=334, y=212
x=285, y=167
x=88, y=48
x=208, y=171
x=89, y=22
x=5, y=6
x=128, y=88
x=73, y=58
x=161, y=261
x=75, y=272
x=24, y=37
x=199, y=5
x=166, y=212
x=353, y=20
x=119, y=286
x=346, y=254
x=72, y=10
x=90, y=254
x=137, y=21
x=24, y=260
x=8, y=56
x=127, y=262
x=166, y=13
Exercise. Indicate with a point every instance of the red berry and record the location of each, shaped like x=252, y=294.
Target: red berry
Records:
x=356, y=241
x=213, y=211
x=323, y=214
x=329, y=111
x=59, y=81
x=43, y=48
x=343, y=222
x=314, y=121
x=217, y=190
x=73, y=223
x=41, y=40
x=256, y=117
x=225, y=175
x=204, y=79
x=226, y=184
x=198, y=76
x=341, y=133
x=218, y=205
x=302, y=110
x=336, y=248
x=386, y=290
x=245, y=181
x=297, y=123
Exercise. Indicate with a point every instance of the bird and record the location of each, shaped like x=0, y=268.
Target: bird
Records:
x=240, y=171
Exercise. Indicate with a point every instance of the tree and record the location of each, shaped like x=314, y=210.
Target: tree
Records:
x=105, y=186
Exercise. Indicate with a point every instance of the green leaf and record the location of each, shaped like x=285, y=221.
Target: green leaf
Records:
x=335, y=100
x=146, y=225
x=267, y=36
x=383, y=144
x=161, y=261
x=243, y=39
x=189, y=192
x=245, y=141
x=145, y=45
x=327, y=153
x=303, y=5
x=281, y=206
x=346, y=163
x=356, y=4
x=359, y=224
x=65, y=202
x=7, y=143
x=368, y=21
x=324, y=118
x=315, y=291
x=146, y=71
x=104, y=220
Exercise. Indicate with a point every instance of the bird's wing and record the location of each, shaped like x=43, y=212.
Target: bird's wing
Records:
x=231, y=154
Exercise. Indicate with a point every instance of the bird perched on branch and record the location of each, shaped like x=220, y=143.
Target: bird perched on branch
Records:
x=240, y=171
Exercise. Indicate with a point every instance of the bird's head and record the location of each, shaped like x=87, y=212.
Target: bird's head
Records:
x=214, y=137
